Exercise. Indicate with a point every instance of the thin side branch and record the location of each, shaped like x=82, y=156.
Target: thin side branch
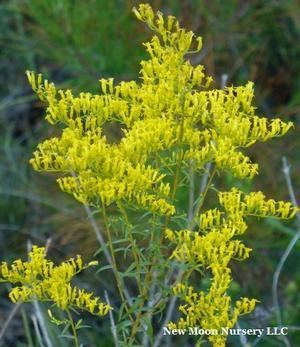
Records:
x=112, y=322
x=11, y=316
x=98, y=233
x=169, y=313
x=191, y=192
x=287, y=252
x=37, y=330
x=102, y=243
x=38, y=313
x=41, y=322
x=243, y=338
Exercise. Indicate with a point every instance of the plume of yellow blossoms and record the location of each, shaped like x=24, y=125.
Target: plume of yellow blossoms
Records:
x=168, y=109
x=40, y=279
x=212, y=248
x=169, y=115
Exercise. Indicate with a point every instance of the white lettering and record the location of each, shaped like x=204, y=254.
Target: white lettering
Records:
x=166, y=331
x=225, y=331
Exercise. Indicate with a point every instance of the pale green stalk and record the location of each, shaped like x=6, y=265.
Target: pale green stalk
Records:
x=73, y=328
x=119, y=280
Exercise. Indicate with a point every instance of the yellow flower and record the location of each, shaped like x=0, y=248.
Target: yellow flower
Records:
x=212, y=248
x=169, y=116
x=169, y=108
x=39, y=279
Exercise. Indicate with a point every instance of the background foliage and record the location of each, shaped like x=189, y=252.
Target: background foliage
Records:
x=76, y=42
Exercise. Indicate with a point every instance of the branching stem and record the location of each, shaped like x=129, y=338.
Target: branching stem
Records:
x=74, y=331
x=119, y=280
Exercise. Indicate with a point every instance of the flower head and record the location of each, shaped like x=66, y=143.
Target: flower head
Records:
x=40, y=279
x=169, y=111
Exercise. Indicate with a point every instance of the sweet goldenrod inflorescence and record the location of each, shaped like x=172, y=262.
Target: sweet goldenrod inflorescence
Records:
x=170, y=107
x=212, y=248
x=40, y=279
x=171, y=120
x=255, y=204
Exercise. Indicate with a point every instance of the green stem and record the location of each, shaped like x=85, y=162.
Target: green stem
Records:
x=177, y=173
x=145, y=290
x=135, y=250
x=201, y=201
x=119, y=280
x=179, y=162
x=27, y=329
x=73, y=328
x=139, y=315
x=149, y=276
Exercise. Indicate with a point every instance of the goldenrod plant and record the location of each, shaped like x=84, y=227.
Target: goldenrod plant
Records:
x=212, y=248
x=174, y=126
x=40, y=279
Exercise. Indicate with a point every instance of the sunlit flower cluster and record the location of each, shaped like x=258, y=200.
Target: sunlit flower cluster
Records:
x=211, y=249
x=169, y=109
x=40, y=279
x=169, y=116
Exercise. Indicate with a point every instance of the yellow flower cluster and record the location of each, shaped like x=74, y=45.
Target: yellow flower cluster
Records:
x=169, y=109
x=255, y=204
x=212, y=248
x=40, y=279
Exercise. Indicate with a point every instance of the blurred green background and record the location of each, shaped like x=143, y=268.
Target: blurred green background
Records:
x=74, y=43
